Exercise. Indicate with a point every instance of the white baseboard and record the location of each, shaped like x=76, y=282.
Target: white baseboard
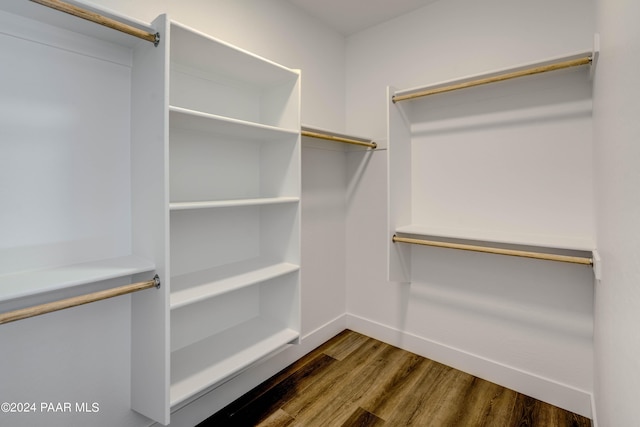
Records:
x=544, y=389
x=211, y=402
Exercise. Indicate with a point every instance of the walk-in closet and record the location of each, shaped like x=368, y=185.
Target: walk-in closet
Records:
x=250, y=212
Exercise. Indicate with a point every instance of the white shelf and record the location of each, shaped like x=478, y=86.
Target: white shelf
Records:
x=501, y=237
x=185, y=118
x=25, y=284
x=208, y=362
x=201, y=285
x=177, y=206
x=197, y=50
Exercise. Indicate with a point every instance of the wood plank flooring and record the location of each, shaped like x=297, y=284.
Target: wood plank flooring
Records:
x=357, y=381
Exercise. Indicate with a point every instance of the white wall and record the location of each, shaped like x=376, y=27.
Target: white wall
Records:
x=617, y=131
x=83, y=354
x=525, y=324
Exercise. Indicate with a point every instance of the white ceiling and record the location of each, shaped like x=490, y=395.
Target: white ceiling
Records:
x=351, y=16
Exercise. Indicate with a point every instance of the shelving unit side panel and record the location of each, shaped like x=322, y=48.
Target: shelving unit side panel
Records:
x=398, y=189
x=279, y=301
x=65, y=139
x=280, y=168
x=280, y=232
x=280, y=104
x=150, y=352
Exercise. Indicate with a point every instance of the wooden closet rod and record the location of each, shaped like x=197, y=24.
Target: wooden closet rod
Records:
x=498, y=78
x=99, y=19
x=49, y=307
x=338, y=139
x=499, y=251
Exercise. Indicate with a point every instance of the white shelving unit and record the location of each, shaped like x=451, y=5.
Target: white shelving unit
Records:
x=126, y=158
x=506, y=164
x=234, y=161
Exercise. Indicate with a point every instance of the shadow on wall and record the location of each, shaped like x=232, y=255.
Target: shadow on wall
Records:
x=559, y=96
x=554, y=296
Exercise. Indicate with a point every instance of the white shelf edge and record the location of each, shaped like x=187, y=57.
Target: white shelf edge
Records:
x=507, y=238
x=213, y=118
x=597, y=265
x=214, y=282
x=253, y=341
x=495, y=72
x=177, y=206
x=31, y=283
x=595, y=55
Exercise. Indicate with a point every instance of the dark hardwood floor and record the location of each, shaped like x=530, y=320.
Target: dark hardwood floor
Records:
x=357, y=381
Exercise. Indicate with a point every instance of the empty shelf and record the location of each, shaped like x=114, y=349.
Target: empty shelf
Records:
x=207, y=363
x=201, y=285
x=51, y=279
x=196, y=120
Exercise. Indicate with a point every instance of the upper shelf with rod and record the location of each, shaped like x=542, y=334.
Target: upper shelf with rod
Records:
x=569, y=61
x=50, y=307
x=81, y=18
x=488, y=169
x=100, y=19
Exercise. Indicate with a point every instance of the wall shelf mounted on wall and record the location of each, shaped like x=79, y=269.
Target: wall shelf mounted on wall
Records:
x=505, y=162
